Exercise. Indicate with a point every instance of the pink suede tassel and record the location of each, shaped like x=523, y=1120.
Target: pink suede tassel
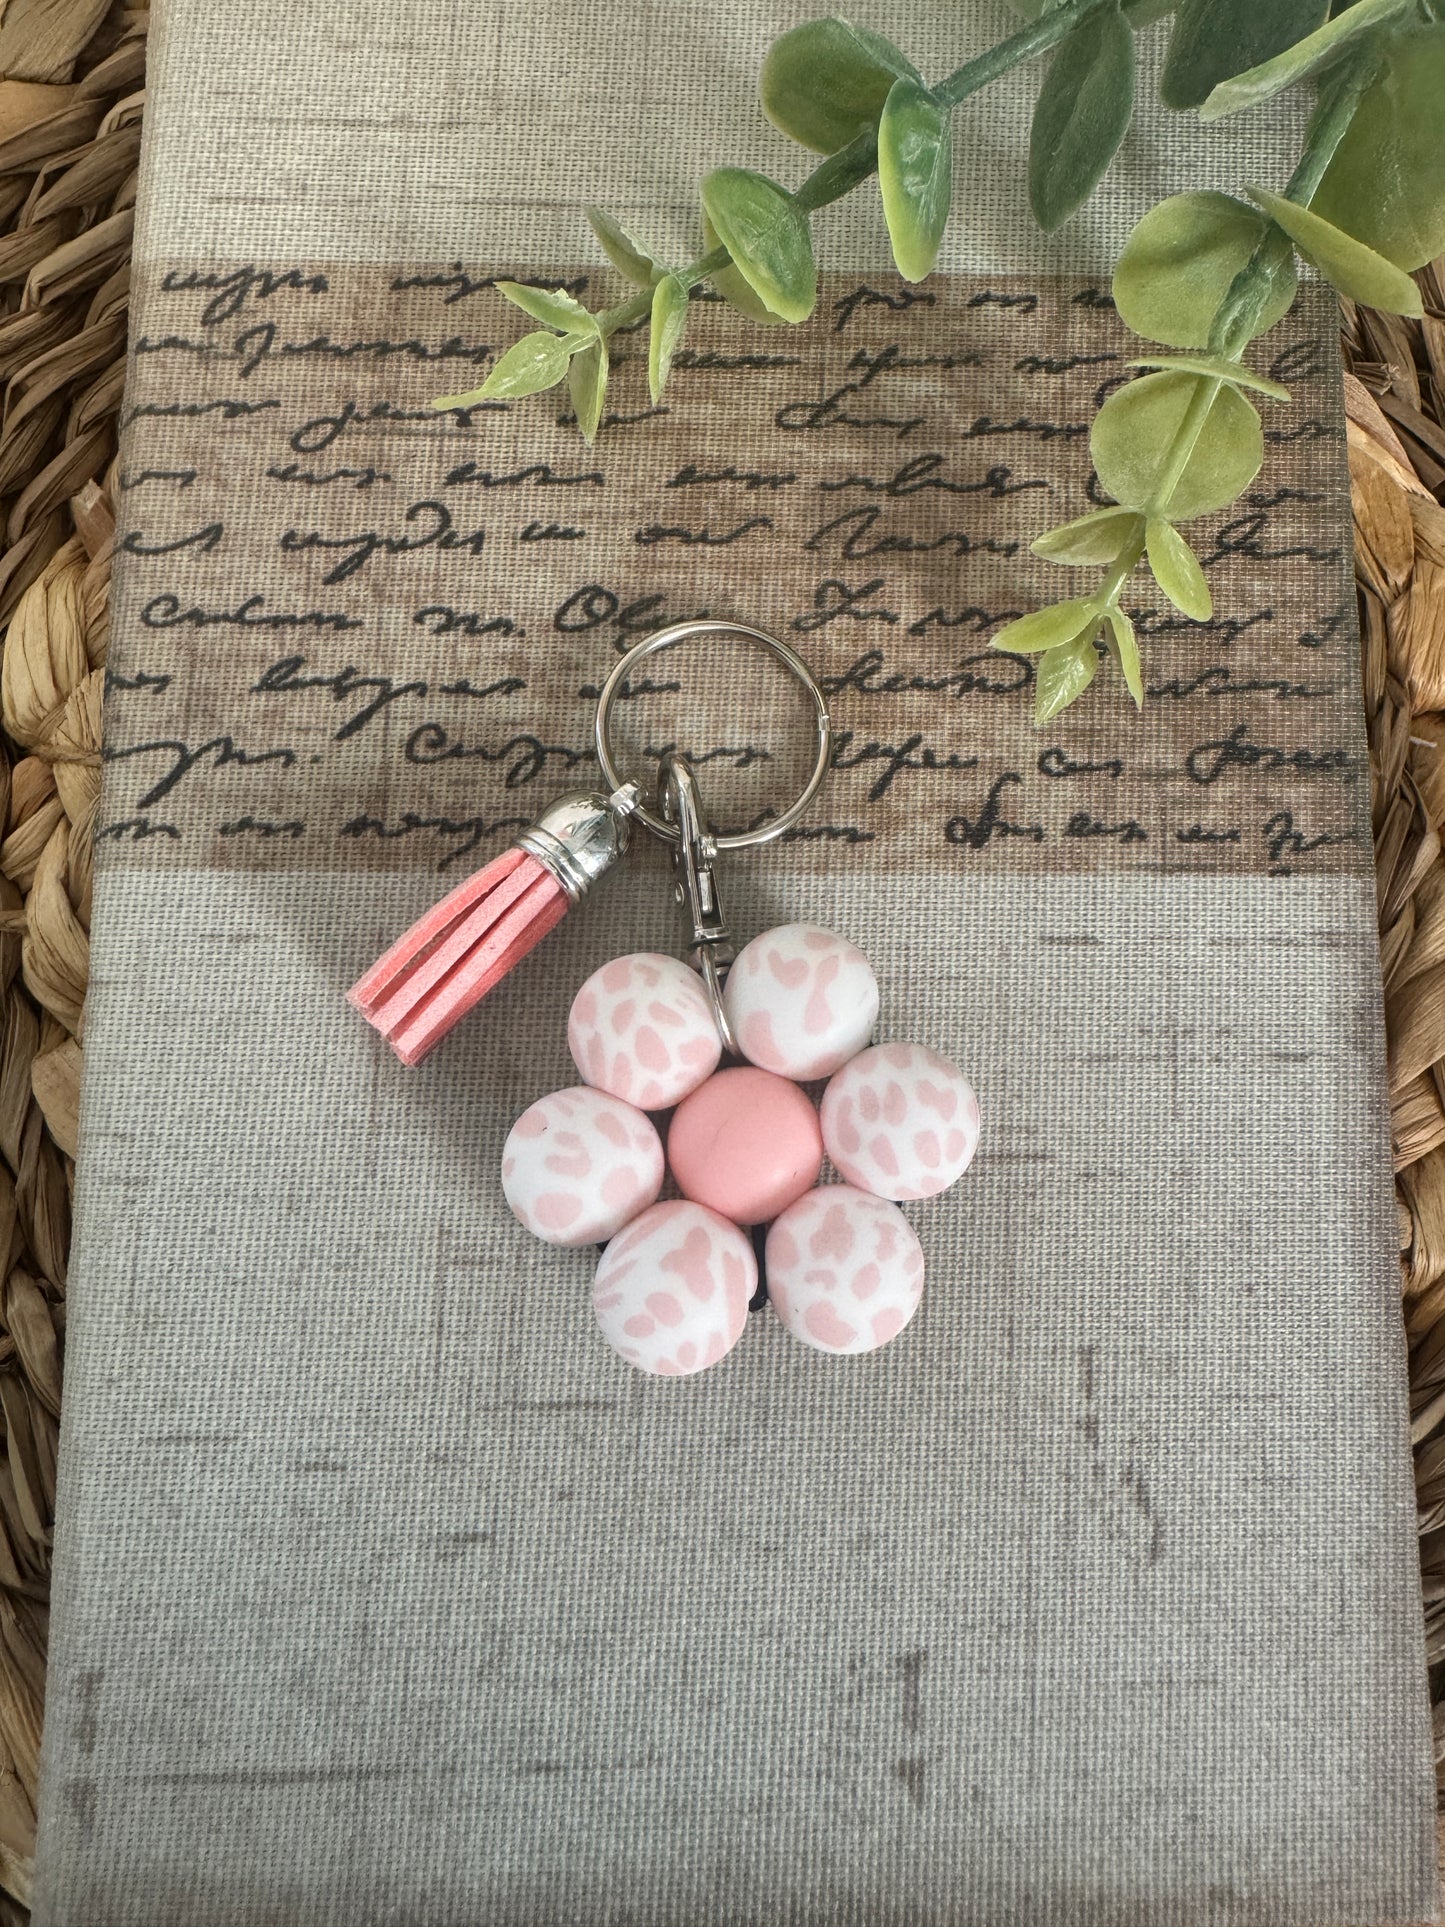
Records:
x=448, y=961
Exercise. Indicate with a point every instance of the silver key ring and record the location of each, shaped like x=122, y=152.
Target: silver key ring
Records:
x=668, y=638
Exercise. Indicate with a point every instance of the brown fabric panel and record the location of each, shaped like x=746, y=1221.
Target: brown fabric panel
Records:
x=341, y=615
x=384, y=1592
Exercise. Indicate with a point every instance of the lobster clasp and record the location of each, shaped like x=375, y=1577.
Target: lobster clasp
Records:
x=694, y=857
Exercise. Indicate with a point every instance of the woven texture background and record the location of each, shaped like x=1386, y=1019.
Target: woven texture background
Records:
x=864, y=1523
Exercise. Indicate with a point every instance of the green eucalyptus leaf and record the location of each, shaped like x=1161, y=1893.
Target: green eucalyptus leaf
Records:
x=1179, y=261
x=1318, y=49
x=1385, y=184
x=1064, y=673
x=1046, y=628
x=1083, y=112
x=1139, y=13
x=1123, y=646
x=915, y=173
x=1216, y=366
x=468, y=400
x=587, y=381
x=1344, y=262
x=1213, y=40
x=767, y=237
x=826, y=81
x=1133, y=437
x=554, y=306
x=1092, y=539
x=1176, y=569
x=629, y=257
x=669, y=318
x=735, y=290
x=535, y=362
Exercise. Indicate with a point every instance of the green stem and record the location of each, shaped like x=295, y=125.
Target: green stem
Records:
x=1190, y=428
x=1121, y=568
x=839, y=174
x=1238, y=314
x=1036, y=38
x=1328, y=125
x=701, y=268
x=1244, y=300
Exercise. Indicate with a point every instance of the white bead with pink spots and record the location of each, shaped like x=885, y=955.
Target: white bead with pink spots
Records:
x=672, y=1292
x=845, y=1269
x=641, y=1028
x=900, y=1121
x=579, y=1165
x=801, y=1001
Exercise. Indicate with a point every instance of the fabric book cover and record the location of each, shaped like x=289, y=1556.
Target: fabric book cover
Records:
x=384, y=1591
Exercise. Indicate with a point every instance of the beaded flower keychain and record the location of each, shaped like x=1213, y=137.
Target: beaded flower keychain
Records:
x=648, y=1034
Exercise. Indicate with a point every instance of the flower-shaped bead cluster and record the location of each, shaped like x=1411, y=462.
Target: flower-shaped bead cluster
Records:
x=745, y=1147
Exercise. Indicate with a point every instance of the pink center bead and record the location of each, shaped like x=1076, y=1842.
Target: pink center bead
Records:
x=900, y=1121
x=746, y=1144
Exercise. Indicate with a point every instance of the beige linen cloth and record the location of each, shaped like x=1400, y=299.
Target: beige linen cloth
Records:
x=384, y=1592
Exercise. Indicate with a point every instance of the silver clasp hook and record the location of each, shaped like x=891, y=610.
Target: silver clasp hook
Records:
x=694, y=855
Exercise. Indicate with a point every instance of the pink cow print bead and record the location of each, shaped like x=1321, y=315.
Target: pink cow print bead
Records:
x=671, y=1293
x=845, y=1270
x=801, y=1001
x=640, y=1028
x=900, y=1121
x=579, y=1165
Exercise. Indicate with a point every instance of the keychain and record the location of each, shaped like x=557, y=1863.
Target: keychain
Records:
x=649, y=1033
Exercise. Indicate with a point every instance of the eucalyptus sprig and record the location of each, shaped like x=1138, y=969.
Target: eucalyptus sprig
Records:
x=1203, y=274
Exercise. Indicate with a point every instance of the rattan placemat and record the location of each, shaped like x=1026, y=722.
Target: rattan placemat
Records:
x=70, y=120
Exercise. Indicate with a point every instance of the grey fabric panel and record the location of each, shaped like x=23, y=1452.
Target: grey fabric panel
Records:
x=384, y=1594
x=353, y=132
x=387, y=1594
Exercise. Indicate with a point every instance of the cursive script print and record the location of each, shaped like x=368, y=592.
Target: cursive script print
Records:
x=352, y=630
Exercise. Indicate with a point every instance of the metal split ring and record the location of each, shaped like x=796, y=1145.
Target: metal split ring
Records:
x=669, y=638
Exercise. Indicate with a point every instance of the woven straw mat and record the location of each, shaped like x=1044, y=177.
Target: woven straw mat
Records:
x=71, y=100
